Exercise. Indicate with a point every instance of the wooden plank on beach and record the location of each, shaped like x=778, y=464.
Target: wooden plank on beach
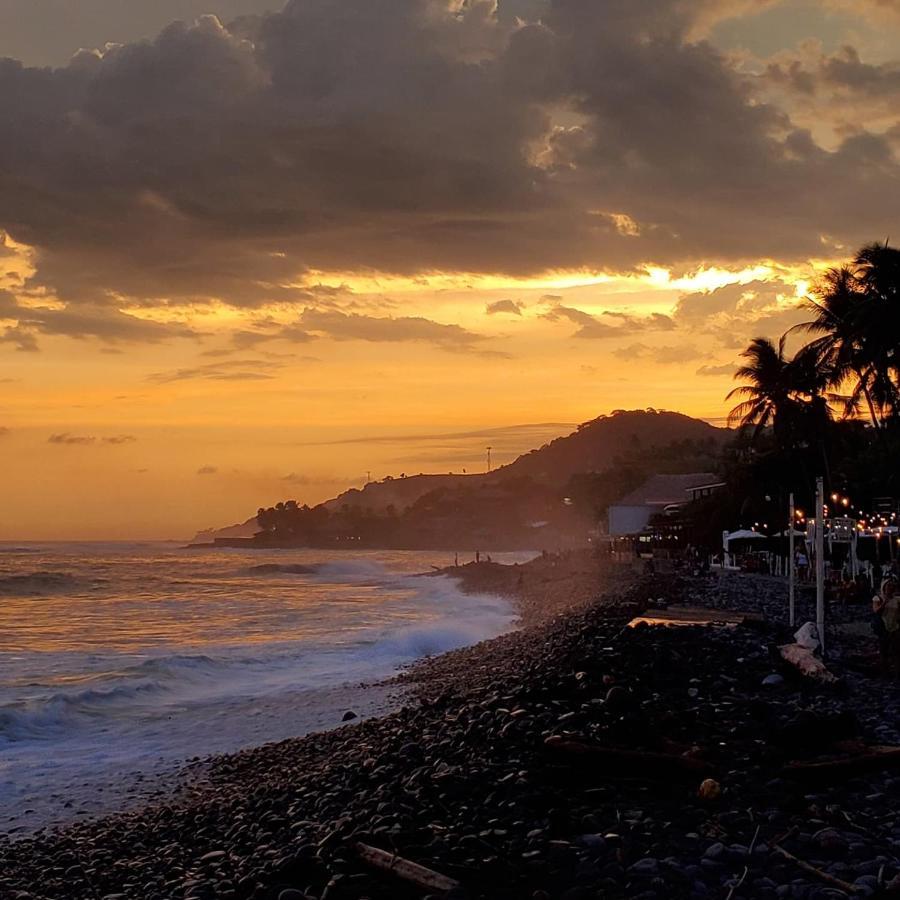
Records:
x=695, y=615
x=623, y=762
x=872, y=759
x=420, y=876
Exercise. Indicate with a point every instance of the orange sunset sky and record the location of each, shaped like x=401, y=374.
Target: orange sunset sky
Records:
x=251, y=251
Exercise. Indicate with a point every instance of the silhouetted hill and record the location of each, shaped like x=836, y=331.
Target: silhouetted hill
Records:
x=606, y=439
x=556, y=493
x=594, y=447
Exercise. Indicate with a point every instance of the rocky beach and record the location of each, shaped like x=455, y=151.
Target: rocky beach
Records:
x=575, y=758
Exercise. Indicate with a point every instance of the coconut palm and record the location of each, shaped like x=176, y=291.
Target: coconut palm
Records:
x=838, y=307
x=857, y=315
x=877, y=271
x=769, y=400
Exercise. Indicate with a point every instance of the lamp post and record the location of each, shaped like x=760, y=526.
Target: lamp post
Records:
x=791, y=515
x=820, y=562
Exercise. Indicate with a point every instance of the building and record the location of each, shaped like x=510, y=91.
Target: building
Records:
x=658, y=494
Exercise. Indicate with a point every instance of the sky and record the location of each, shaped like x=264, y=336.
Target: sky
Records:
x=252, y=251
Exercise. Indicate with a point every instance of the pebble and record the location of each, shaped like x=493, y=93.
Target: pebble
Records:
x=458, y=780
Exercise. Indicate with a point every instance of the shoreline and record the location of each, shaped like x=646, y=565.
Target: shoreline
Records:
x=461, y=778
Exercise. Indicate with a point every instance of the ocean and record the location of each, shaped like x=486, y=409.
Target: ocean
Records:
x=119, y=662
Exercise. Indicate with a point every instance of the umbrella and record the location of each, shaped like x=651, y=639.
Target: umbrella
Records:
x=745, y=534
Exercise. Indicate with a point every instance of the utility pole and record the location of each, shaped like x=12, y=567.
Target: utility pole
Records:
x=489, y=458
x=791, y=516
x=820, y=562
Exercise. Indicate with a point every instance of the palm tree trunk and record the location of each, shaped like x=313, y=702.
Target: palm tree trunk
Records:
x=876, y=422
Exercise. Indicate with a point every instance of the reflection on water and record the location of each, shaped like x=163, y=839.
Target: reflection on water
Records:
x=116, y=657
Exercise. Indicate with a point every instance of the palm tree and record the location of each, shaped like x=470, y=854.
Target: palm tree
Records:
x=769, y=392
x=877, y=270
x=857, y=315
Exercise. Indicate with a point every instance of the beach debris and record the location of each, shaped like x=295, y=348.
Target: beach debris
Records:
x=806, y=663
x=694, y=615
x=868, y=759
x=422, y=877
x=819, y=873
x=807, y=636
x=710, y=789
x=618, y=761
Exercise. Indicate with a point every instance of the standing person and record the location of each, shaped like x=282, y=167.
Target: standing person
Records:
x=801, y=561
x=886, y=623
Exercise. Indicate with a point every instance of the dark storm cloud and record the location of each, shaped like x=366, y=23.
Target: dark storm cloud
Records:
x=408, y=136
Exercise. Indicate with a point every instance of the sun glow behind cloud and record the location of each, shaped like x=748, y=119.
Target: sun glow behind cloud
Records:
x=526, y=239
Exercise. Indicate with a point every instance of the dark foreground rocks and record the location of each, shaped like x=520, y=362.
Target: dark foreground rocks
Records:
x=463, y=781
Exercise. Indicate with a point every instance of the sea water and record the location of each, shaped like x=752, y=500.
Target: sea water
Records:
x=119, y=662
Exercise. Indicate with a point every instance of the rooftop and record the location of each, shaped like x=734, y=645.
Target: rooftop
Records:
x=661, y=490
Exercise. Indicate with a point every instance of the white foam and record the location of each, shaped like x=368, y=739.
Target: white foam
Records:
x=176, y=656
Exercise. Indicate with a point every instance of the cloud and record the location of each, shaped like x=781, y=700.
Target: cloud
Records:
x=104, y=322
x=513, y=307
x=665, y=355
x=23, y=339
x=65, y=438
x=245, y=340
x=605, y=136
x=841, y=91
x=592, y=327
x=207, y=470
x=528, y=433
x=713, y=371
x=340, y=326
x=71, y=439
x=735, y=313
x=300, y=480
x=4, y=432
x=226, y=370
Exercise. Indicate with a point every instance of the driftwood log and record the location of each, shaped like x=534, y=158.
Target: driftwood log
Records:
x=620, y=762
x=867, y=759
x=823, y=876
x=426, y=879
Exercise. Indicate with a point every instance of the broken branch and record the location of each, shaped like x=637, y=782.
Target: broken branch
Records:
x=427, y=879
